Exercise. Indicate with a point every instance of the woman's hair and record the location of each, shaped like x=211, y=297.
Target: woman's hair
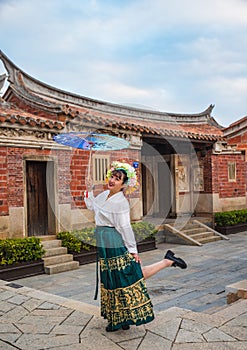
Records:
x=121, y=174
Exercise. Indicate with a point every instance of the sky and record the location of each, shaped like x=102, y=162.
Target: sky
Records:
x=175, y=56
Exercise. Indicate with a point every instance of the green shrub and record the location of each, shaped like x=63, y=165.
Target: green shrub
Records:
x=231, y=218
x=143, y=230
x=20, y=250
x=77, y=240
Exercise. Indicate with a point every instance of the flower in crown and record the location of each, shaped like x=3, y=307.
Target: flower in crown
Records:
x=130, y=171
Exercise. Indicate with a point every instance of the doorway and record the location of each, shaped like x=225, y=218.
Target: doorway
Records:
x=40, y=198
x=165, y=186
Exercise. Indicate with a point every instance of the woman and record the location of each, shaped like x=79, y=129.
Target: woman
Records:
x=124, y=297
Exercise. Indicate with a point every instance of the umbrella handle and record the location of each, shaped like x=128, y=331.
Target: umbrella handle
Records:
x=89, y=167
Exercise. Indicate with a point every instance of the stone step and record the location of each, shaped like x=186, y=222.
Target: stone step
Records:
x=204, y=234
x=52, y=244
x=193, y=230
x=55, y=251
x=57, y=259
x=57, y=268
x=47, y=238
x=209, y=239
x=233, y=310
x=215, y=309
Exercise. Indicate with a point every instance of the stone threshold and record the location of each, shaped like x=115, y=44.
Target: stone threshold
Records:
x=236, y=291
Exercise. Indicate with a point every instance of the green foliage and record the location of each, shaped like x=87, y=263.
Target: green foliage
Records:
x=20, y=250
x=231, y=218
x=77, y=240
x=143, y=230
x=84, y=239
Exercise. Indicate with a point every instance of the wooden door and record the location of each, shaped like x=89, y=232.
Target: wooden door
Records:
x=164, y=183
x=37, y=203
x=147, y=191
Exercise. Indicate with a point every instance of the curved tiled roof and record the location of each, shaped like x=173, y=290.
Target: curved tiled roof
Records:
x=9, y=114
x=147, y=127
x=50, y=100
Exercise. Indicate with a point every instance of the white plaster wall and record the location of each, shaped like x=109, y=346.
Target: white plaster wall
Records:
x=64, y=217
x=227, y=204
x=16, y=222
x=4, y=227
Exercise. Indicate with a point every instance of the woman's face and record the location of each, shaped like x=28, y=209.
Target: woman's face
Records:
x=115, y=182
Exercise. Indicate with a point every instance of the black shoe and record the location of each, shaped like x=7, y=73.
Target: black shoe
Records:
x=176, y=261
x=109, y=328
x=125, y=327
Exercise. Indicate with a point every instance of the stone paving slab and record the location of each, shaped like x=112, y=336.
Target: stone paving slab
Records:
x=32, y=319
x=48, y=324
x=201, y=287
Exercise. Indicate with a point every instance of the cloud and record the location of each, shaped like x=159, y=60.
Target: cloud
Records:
x=171, y=55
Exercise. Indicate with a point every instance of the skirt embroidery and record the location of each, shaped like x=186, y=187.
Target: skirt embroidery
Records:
x=124, y=296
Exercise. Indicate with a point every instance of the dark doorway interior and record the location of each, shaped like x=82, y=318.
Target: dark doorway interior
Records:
x=40, y=217
x=164, y=181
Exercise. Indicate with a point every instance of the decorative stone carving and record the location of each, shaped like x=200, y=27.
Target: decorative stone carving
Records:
x=223, y=147
x=13, y=133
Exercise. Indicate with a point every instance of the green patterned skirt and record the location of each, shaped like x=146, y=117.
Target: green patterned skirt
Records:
x=124, y=296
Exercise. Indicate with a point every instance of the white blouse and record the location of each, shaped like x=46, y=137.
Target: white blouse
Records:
x=113, y=212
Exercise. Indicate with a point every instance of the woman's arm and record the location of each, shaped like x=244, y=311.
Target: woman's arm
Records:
x=88, y=194
x=123, y=226
x=89, y=200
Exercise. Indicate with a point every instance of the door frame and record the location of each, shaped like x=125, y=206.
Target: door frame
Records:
x=52, y=210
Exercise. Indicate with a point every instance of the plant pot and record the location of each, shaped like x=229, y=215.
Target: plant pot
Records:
x=87, y=257
x=146, y=245
x=21, y=270
x=227, y=230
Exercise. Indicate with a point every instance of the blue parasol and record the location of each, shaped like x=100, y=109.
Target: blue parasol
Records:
x=91, y=142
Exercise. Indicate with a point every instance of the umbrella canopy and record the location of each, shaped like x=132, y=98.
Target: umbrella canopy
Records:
x=91, y=141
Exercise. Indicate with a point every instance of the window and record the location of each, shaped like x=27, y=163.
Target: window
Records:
x=232, y=171
x=100, y=166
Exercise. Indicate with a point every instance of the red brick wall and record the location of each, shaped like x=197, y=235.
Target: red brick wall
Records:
x=15, y=177
x=71, y=172
x=220, y=183
x=239, y=140
x=12, y=176
x=63, y=176
x=207, y=172
x=78, y=169
x=4, y=209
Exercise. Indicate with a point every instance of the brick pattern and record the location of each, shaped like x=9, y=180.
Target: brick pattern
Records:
x=220, y=183
x=79, y=167
x=4, y=210
x=64, y=176
x=71, y=171
x=208, y=172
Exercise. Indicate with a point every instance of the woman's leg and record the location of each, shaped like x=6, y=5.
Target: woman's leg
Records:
x=150, y=270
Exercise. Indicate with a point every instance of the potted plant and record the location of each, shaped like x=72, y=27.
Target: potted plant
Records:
x=82, y=243
x=145, y=235
x=231, y=221
x=20, y=257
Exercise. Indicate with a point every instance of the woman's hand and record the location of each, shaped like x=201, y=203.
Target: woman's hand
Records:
x=136, y=257
x=89, y=184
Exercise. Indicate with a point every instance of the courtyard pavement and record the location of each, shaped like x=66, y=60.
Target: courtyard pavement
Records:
x=58, y=311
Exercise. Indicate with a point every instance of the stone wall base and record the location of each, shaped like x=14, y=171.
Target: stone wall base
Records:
x=236, y=291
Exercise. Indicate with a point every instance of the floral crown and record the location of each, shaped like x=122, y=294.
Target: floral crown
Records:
x=130, y=171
